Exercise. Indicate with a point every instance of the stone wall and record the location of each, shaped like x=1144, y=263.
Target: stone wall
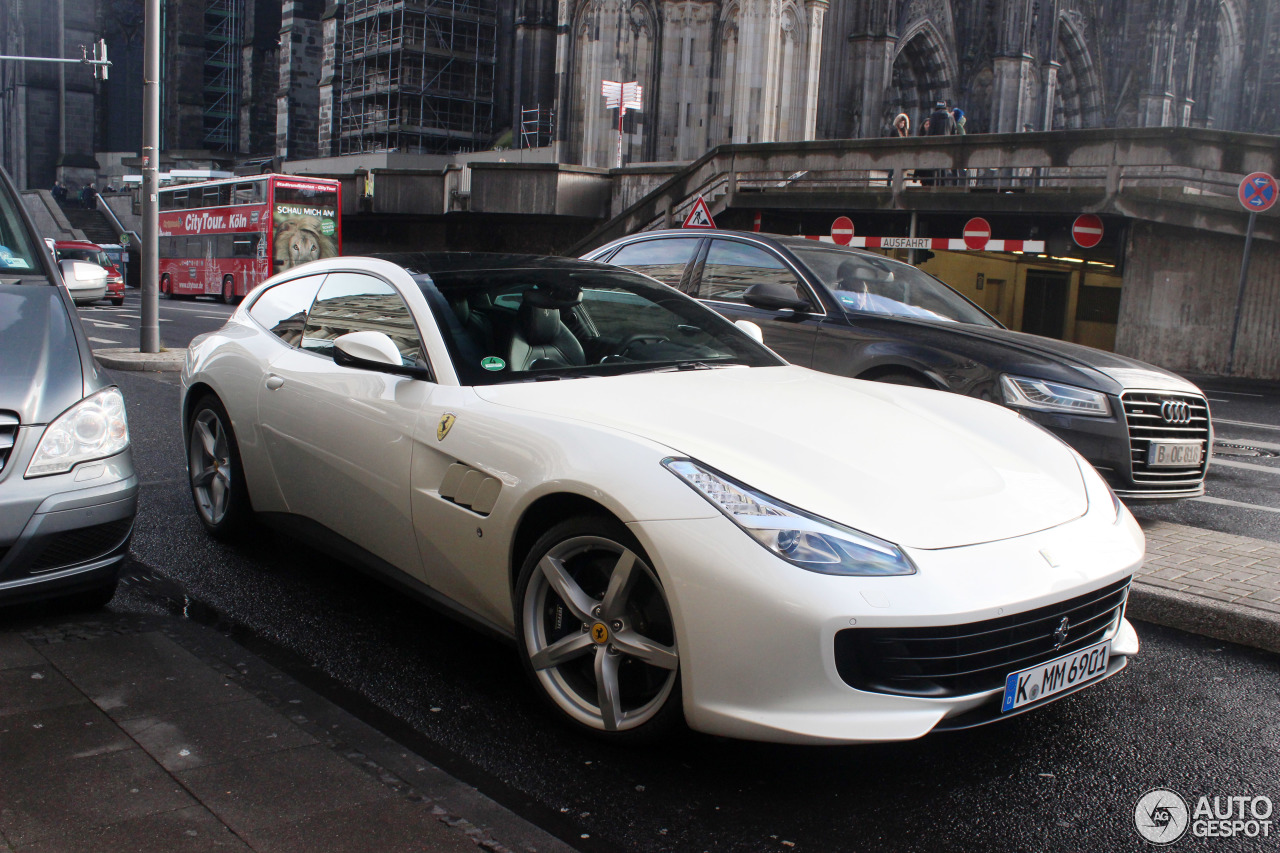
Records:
x=298, y=95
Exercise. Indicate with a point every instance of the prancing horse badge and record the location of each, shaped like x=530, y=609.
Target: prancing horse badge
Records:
x=446, y=423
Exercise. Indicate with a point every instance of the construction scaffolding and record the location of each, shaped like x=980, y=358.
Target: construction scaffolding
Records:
x=418, y=75
x=222, y=22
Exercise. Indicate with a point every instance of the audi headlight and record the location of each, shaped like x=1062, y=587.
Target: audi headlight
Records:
x=1041, y=395
x=806, y=540
x=94, y=428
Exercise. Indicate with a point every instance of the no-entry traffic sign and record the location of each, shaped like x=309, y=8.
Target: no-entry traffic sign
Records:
x=1258, y=192
x=1087, y=231
x=842, y=231
x=977, y=232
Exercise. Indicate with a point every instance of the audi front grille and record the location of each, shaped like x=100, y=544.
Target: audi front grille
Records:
x=1164, y=415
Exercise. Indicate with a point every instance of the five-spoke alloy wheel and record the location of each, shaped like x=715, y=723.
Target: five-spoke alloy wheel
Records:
x=596, y=630
x=217, y=478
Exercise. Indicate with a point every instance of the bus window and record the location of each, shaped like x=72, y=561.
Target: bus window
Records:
x=245, y=245
x=249, y=192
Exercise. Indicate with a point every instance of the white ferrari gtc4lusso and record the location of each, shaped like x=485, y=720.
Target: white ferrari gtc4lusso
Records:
x=669, y=521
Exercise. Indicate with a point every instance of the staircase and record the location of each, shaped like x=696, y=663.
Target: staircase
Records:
x=95, y=226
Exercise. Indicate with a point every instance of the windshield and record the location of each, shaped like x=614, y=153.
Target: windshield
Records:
x=515, y=325
x=16, y=251
x=876, y=285
x=91, y=255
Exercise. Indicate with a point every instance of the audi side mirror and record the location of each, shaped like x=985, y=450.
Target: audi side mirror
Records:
x=774, y=296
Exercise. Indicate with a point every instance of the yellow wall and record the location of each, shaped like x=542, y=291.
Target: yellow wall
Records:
x=1005, y=301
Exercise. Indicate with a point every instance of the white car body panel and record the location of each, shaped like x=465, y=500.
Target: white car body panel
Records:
x=998, y=516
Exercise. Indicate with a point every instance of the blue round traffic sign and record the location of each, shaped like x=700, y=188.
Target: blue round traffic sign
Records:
x=1258, y=191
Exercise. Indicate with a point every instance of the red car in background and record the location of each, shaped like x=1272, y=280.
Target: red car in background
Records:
x=82, y=250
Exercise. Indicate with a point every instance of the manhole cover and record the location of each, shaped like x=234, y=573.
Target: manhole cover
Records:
x=1226, y=448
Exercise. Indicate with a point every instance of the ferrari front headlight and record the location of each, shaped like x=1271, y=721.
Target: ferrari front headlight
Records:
x=94, y=428
x=806, y=540
x=1026, y=393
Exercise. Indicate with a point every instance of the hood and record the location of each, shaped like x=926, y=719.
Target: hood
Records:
x=921, y=468
x=42, y=374
x=1125, y=372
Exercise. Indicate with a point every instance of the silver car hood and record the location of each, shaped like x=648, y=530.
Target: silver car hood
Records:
x=41, y=374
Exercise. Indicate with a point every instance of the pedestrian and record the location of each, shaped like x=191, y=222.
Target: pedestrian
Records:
x=87, y=194
x=59, y=192
x=940, y=121
x=900, y=128
x=958, y=115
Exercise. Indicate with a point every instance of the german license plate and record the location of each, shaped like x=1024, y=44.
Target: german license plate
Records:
x=1039, y=682
x=1174, y=454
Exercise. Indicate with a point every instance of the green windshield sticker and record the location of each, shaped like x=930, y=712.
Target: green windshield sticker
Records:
x=492, y=363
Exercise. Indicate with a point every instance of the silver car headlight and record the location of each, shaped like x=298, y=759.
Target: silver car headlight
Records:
x=94, y=428
x=1044, y=396
x=805, y=540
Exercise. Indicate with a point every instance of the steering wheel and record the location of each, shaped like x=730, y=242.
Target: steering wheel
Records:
x=632, y=340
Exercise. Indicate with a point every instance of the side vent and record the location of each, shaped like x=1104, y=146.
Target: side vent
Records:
x=466, y=486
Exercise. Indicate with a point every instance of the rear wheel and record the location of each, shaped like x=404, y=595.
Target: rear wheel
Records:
x=596, y=632
x=228, y=288
x=217, y=477
x=117, y=301
x=166, y=286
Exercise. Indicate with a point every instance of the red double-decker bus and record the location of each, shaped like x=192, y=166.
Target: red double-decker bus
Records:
x=221, y=238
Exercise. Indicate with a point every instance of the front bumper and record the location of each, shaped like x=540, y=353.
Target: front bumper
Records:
x=64, y=533
x=757, y=635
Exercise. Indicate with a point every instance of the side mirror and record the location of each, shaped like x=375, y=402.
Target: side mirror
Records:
x=373, y=351
x=774, y=296
x=751, y=329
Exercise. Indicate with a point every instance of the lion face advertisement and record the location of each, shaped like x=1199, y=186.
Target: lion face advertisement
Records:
x=304, y=223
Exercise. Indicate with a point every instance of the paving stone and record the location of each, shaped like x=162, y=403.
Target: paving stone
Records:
x=188, y=830
x=66, y=796
x=62, y=733
x=1164, y=584
x=202, y=736
x=396, y=826
x=1265, y=595
x=142, y=675
x=33, y=688
x=15, y=651
x=281, y=787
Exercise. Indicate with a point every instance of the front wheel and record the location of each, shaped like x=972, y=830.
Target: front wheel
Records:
x=217, y=477
x=596, y=632
x=228, y=286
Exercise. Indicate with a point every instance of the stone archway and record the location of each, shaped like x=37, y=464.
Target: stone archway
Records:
x=921, y=76
x=1077, y=100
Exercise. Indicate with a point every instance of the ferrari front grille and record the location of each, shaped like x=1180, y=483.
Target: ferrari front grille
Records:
x=957, y=660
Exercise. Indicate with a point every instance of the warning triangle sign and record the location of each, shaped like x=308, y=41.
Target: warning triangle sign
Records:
x=699, y=217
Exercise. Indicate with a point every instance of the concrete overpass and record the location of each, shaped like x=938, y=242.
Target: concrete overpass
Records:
x=1167, y=195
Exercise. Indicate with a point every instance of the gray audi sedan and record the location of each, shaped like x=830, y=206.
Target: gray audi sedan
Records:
x=68, y=491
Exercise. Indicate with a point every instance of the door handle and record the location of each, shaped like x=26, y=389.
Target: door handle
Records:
x=274, y=382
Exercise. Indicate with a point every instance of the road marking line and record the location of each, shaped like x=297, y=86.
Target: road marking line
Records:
x=1236, y=393
x=1247, y=442
x=1224, y=502
x=104, y=341
x=1247, y=424
x=1231, y=463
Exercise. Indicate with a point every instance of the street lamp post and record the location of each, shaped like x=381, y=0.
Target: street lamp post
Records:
x=149, y=331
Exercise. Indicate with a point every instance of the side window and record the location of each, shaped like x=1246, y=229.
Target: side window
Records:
x=282, y=309
x=732, y=267
x=352, y=302
x=665, y=260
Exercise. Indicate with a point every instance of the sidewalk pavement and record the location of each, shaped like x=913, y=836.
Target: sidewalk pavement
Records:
x=129, y=733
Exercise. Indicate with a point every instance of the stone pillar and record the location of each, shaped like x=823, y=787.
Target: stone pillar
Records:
x=859, y=40
x=816, y=11
x=298, y=98
x=330, y=105
x=1013, y=94
x=1049, y=77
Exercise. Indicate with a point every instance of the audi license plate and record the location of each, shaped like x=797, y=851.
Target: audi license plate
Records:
x=1174, y=454
x=1064, y=673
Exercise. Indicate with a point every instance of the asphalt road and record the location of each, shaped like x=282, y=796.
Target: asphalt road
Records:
x=1195, y=715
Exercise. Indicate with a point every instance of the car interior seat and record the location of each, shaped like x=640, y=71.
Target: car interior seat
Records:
x=540, y=338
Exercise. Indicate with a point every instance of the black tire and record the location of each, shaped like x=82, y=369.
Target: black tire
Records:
x=911, y=380
x=228, y=284
x=629, y=642
x=216, y=475
x=166, y=287
x=118, y=302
